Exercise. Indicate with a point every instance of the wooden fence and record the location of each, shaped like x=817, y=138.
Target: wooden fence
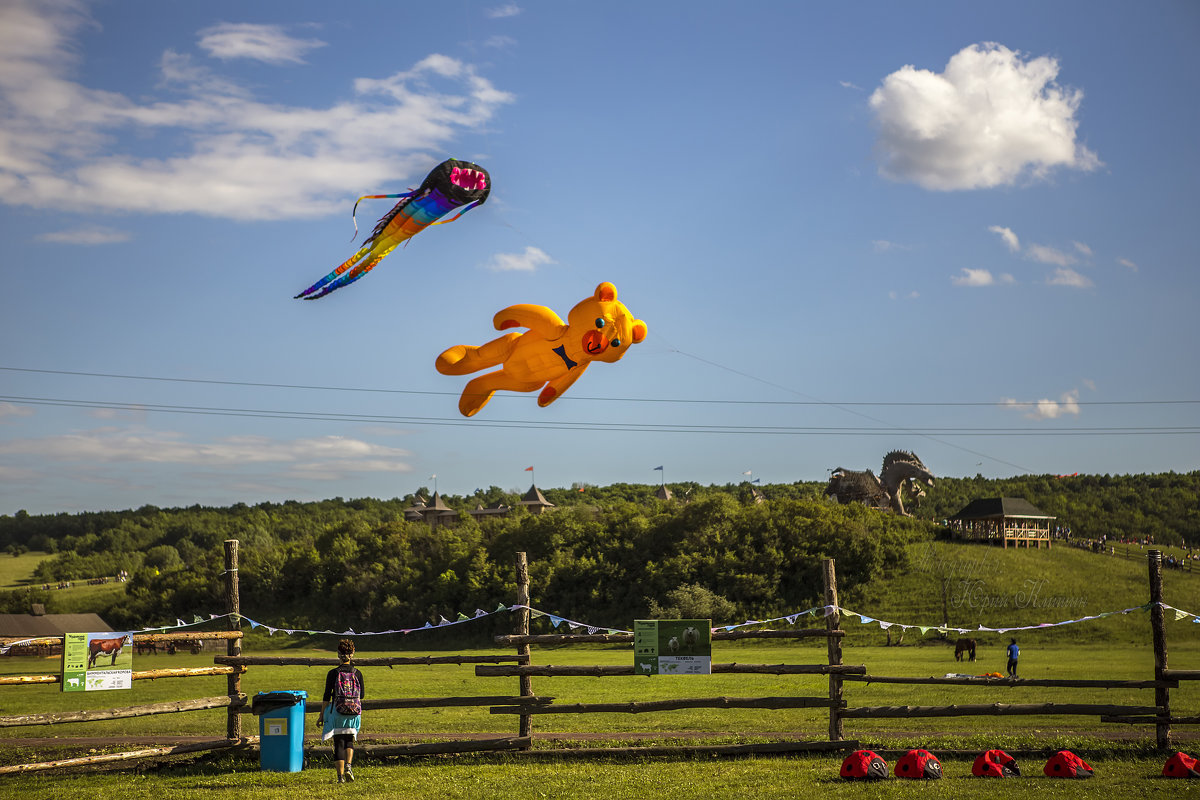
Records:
x=526, y=705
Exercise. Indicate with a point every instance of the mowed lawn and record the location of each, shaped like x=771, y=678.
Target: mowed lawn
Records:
x=1122, y=755
x=1041, y=658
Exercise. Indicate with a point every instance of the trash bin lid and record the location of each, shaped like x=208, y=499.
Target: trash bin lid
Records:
x=269, y=701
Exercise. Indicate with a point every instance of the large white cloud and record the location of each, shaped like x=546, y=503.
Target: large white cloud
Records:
x=990, y=119
x=228, y=154
x=322, y=454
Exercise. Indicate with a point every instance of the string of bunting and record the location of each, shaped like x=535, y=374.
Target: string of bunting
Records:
x=556, y=621
x=1179, y=614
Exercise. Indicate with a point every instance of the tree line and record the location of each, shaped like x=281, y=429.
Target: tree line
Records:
x=603, y=554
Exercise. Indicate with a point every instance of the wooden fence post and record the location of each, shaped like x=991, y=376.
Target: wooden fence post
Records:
x=833, y=622
x=233, y=605
x=522, y=629
x=1162, y=695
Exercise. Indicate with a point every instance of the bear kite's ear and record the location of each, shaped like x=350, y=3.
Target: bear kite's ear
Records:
x=639, y=331
x=606, y=292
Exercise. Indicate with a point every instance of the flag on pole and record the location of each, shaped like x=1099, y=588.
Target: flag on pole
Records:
x=529, y=469
x=657, y=469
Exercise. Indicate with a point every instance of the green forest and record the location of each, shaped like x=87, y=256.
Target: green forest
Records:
x=613, y=552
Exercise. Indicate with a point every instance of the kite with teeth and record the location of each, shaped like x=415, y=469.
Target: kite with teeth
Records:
x=452, y=184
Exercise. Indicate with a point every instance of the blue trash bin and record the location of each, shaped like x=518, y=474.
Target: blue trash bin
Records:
x=280, y=730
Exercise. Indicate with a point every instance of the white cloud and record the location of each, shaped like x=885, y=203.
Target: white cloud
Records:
x=266, y=43
x=884, y=246
x=980, y=277
x=10, y=410
x=1068, y=403
x=1083, y=249
x=1065, y=276
x=990, y=119
x=1125, y=262
x=1010, y=238
x=1049, y=255
x=329, y=455
x=849, y=85
x=913, y=295
x=527, y=261
x=86, y=235
x=216, y=149
x=506, y=10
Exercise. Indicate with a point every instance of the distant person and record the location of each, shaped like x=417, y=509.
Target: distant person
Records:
x=1014, y=653
x=341, y=710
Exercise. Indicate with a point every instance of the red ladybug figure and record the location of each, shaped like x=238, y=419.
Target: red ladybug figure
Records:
x=863, y=765
x=1181, y=765
x=919, y=764
x=1065, y=764
x=995, y=764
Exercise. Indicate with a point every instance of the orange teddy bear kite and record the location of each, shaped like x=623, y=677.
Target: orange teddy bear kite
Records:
x=550, y=355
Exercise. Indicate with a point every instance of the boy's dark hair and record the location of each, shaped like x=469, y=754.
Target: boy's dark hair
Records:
x=346, y=648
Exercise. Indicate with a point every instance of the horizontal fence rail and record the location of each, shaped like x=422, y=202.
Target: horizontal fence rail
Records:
x=392, y=661
x=109, y=758
x=992, y=710
x=644, y=706
x=169, y=707
x=138, y=638
x=607, y=671
x=1066, y=683
x=145, y=675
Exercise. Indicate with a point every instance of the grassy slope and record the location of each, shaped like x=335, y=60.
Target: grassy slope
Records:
x=16, y=572
x=994, y=587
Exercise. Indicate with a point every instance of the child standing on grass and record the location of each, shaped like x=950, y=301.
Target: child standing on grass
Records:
x=1014, y=653
x=344, y=690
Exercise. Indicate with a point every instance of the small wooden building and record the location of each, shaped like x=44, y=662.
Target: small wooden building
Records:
x=1003, y=520
x=434, y=514
x=535, y=501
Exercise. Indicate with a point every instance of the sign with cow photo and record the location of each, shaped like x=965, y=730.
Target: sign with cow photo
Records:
x=97, y=661
x=672, y=647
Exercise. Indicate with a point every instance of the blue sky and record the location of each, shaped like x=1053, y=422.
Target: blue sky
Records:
x=964, y=230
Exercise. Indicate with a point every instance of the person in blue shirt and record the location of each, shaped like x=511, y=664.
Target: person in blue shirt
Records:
x=1014, y=653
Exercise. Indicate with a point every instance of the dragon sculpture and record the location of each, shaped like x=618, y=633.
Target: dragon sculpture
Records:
x=902, y=471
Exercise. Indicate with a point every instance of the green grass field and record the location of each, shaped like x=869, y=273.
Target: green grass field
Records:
x=16, y=572
x=985, y=586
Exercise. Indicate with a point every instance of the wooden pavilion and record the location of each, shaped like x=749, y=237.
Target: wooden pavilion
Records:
x=1004, y=520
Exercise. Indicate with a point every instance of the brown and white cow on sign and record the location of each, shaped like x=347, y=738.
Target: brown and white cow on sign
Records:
x=98, y=647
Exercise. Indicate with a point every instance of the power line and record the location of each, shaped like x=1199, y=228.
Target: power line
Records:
x=693, y=401
x=785, y=430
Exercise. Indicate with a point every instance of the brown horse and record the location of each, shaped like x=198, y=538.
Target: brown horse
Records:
x=964, y=646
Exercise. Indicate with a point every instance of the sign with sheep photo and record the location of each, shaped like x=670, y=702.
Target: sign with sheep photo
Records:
x=672, y=646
